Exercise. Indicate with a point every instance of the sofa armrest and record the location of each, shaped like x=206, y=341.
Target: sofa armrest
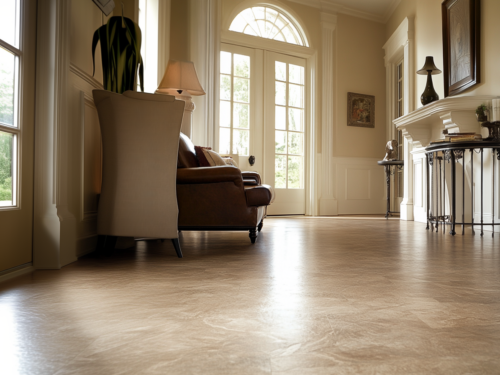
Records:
x=207, y=175
x=250, y=175
x=258, y=195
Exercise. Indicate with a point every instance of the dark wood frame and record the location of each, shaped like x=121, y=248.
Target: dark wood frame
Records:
x=350, y=121
x=474, y=25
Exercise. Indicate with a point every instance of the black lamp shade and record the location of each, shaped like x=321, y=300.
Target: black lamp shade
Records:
x=429, y=66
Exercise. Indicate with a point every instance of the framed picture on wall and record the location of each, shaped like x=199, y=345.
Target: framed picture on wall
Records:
x=360, y=110
x=461, y=21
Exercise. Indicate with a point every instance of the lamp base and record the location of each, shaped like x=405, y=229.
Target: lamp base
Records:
x=429, y=95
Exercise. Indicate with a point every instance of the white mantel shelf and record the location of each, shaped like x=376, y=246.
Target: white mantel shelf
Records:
x=427, y=122
x=419, y=128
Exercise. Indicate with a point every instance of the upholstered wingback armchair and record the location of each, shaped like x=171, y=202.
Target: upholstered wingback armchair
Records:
x=218, y=198
x=140, y=137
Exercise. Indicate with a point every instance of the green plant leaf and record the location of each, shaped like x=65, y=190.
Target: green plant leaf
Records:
x=121, y=59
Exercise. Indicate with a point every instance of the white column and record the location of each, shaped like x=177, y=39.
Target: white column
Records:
x=55, y=225
x=328, y=201
x=406, y=207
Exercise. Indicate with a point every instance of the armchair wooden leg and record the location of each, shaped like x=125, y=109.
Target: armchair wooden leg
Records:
x=177, y=246
x=253, y=235
x=106, y=244
x=261, y=224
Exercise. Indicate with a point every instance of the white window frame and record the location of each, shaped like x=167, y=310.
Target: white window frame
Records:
x=17, y=129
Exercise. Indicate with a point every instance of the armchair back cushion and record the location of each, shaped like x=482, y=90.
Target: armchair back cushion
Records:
x=140, y=136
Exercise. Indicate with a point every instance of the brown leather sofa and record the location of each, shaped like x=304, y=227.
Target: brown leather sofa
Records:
x=218, y=198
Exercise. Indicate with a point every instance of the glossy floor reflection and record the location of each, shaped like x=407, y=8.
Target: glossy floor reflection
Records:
x=312, y=296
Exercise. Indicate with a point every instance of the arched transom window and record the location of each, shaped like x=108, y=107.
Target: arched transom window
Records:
x=268, y=23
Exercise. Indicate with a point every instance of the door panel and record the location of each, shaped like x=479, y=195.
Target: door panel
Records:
x=285, y=132
x=17, y=107
x=238, y=86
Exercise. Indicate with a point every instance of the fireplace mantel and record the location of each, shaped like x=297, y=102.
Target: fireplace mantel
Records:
x=419, y=128
x=453, y=113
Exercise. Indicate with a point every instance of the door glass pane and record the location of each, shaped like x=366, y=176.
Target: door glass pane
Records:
x=9, y=21
x=242, y=66
x=296, y=74
x=225, y=114
x=241, y=141
x=241, y=90
x=295, y=172
x=280, y=140
x=296, y=96
x=225, y=62
x=224, y=141
x=225, y=87
x=241, y=118
x=280, y=71
x=7, y=87
x=6, y=167
x=296, y=119
x=295, y=143
x=280, y=171
x=281, y=93
x=280, y=118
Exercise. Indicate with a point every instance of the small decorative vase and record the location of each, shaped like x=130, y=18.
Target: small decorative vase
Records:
x=429, y=95
x=481, y=117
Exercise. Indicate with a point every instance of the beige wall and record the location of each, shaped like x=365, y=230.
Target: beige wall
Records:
x=428, y=42
x=360, y=69
x=179, y=30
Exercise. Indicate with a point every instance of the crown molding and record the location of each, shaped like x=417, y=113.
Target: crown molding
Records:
x=333, y=7
x=390, y=10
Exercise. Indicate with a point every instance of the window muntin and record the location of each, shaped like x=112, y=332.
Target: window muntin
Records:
x=235, y=101
x=267, y=23
x=10, y=131
x=289, y=126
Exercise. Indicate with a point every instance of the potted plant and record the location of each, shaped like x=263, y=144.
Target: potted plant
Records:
x=120, y=54
x=482, y=113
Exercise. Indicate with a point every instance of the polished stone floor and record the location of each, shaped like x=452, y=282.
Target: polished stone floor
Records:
x=312, y=296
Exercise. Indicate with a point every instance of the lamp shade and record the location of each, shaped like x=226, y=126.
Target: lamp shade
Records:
x=429, y=66
x=181, y=75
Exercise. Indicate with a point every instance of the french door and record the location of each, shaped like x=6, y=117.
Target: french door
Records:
x=285, y=132
x=17, y=107
x=263, y=114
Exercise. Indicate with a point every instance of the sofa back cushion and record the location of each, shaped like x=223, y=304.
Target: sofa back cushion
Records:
x=187, y=154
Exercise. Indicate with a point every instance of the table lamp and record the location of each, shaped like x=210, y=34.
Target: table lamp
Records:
x=429, y=95
x=180, y=79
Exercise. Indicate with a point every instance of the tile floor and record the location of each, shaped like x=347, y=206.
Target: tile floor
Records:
x=312, y=296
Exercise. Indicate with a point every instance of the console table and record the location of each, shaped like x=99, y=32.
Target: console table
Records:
x=437, y=156
x=390, y=168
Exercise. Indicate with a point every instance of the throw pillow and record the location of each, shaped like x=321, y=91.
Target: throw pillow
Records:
x=230, y=161
x=202, y=159
x=213, y=158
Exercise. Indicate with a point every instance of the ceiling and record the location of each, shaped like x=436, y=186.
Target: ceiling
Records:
x=375, y=10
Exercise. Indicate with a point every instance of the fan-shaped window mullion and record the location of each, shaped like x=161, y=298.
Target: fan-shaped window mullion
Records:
x=268, y=23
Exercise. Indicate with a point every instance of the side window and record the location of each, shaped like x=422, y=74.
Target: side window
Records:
x=234, y=123
x=10, y=130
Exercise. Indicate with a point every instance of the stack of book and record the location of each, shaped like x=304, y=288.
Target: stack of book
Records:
x=458, y=137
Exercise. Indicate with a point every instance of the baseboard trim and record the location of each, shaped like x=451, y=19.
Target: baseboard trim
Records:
x=16, y=271
x=328, y=207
